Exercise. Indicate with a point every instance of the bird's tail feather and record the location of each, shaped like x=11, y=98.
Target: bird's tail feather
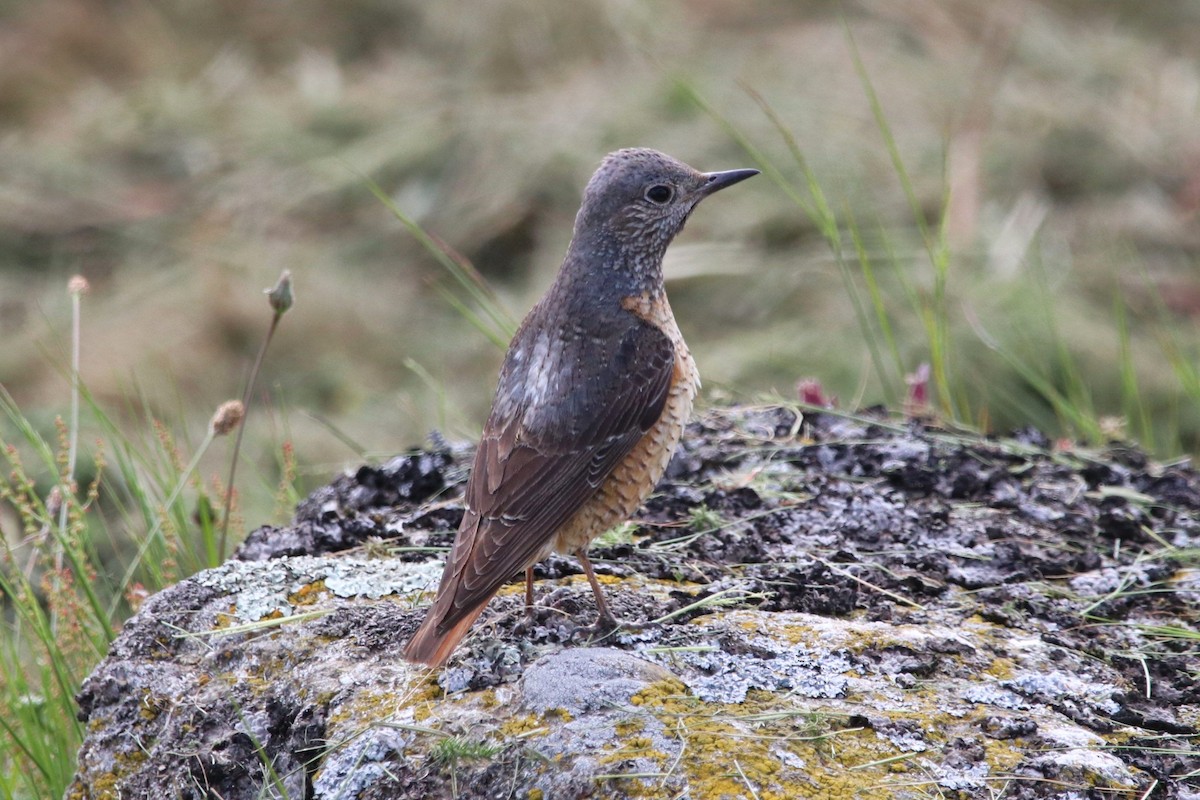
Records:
x=428, y=646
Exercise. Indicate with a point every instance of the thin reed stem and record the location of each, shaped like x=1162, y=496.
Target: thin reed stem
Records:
x=281, y=298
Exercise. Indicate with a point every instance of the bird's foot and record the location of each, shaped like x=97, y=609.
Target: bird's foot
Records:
x=607, y=626
x=543, y=613
x=604, y=627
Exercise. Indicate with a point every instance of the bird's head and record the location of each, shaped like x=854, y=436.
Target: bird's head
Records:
x=639, y=199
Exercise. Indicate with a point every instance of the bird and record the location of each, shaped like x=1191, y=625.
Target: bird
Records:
x=593, y=395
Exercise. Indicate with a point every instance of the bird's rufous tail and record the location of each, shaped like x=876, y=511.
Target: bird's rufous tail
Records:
x=428, y=646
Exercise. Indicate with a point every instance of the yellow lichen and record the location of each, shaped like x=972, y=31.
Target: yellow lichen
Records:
x=151, y=706
x=659, y=692
x=634, y=747
x=1001, y=668
x=422, y=696
x=558, y=713
x=738, y=749
x=629, y=726
x=520, y=725
x=108, y=784
x=362, y=708
x=1003, y=756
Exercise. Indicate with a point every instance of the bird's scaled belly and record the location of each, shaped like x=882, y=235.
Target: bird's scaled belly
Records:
x=632, y=481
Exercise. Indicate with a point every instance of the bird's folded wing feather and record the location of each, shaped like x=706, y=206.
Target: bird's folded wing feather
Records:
x=537, y=466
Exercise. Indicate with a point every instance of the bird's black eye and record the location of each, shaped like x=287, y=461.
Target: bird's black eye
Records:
x=659, y=194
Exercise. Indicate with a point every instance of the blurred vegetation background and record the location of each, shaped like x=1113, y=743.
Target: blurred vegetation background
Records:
x=1007, y=192
x=180, y=154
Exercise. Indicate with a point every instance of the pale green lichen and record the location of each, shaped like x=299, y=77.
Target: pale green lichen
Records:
x=261, y=589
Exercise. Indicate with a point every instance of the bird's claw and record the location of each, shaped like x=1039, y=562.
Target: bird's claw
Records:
x=605, y=627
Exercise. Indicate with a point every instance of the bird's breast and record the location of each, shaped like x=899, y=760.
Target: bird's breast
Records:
x=632, y=481
x=654, y=308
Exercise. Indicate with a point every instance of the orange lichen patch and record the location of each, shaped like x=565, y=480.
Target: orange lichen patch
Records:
x=227, y=619
x=308, y=594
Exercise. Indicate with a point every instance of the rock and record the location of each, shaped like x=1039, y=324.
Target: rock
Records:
x=238, y=668
x=586, y=679
x=859, y=609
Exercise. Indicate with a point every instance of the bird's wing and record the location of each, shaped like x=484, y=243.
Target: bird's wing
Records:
x=538, y=463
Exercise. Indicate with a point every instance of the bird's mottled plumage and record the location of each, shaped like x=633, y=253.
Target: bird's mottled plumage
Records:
x=592, y=397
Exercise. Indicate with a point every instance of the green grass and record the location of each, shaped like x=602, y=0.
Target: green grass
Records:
x=450, y=751
x=96, y=528
x=982, y=367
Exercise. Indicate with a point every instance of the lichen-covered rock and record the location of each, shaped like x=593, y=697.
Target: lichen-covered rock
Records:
x=840, y=608
x=222, y=684
x=586, y=679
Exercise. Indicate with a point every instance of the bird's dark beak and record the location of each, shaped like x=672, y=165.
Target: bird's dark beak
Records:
x=716, y=181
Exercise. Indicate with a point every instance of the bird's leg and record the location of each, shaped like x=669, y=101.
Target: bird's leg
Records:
x=525, y=625
x=606, y=621
x=529, y=593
